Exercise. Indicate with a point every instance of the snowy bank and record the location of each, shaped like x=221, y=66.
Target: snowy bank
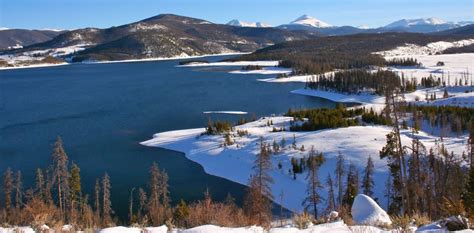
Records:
x=235, y=162
x=232, y=63
x=264, y=70
x=365, y=211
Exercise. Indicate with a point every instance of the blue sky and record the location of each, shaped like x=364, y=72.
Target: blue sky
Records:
x=71, y=14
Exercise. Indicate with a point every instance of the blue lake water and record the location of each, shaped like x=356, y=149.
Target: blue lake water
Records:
x=103, y=111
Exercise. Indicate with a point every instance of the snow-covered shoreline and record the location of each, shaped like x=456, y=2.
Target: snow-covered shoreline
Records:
x=232, y=63
x=235, y=162
x=122, y=61
x=35, y=66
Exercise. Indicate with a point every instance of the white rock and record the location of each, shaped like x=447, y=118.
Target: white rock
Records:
x=366, y=211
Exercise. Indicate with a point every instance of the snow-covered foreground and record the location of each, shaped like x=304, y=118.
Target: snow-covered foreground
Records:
x=335, y=227
x=235, y=162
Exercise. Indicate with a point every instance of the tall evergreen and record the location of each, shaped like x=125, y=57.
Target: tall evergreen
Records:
x=352, y=188
x=106, y=203
x=368, y=179
x=8, y=190
x=389, y=151
x=40, y=184
x=257, y=203
x=340, y=171
x=97, y=199
x=158, y=200
x=18, y=191
x=313, y=197
x=60, y=174
x=331, y=196
x=142, y=202
x=75, y=196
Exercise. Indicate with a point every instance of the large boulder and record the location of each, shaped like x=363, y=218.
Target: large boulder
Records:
x=365, y=211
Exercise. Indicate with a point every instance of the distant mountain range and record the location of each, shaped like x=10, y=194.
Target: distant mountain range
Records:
x=239, y=23
x=169, y=35
x=421, y=25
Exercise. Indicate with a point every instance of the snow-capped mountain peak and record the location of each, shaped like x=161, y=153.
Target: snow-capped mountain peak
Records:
x=240, y=23
x=310, y=21
x=416, y=22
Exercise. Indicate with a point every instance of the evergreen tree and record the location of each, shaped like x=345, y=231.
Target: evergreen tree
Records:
x=97, y=199
x=313, y=198
x=331, y=196
x=181, y=212
x=368, y=180
x=352, y=188
x=257, y=203
x=40, y=185
x=340, y=171
x=75, y=196
x=106, y=203
x=8, y=190
x=142, y=202
x=18, y=191
x=468, y=194
x=60, y=174
x=389, y=151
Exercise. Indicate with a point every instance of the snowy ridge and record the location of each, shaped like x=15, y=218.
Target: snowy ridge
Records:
x=239, y=23
x=310, y=21
x=429, y=49
x=412, y=22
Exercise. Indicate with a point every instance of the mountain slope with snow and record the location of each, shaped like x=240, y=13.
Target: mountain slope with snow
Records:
x=310, y=21
x=422, y=25
x=240, y=23
x=412, y=22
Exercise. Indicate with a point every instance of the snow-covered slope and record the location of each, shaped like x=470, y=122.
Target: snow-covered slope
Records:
x=239, y=23
x=429, y=49
x=413, y=22
x=235, y=162
x=307, y=20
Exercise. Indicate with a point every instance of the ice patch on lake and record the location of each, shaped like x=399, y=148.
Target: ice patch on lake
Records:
x=226, y=112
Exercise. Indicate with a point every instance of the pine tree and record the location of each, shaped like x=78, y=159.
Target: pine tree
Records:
x=468, y=194
x=331, y=196
x=313, y=198
x=18, y=191
x=60, y=174
x=389, y=151
x=75, y=196
x=340, y=171
x=352, y=188
x=181, y=212
x=106, y=203
x=40, y=185
x=142, y=202
x=7, y=190
x=257, y=203
x=97, y=199
x=368, y=180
